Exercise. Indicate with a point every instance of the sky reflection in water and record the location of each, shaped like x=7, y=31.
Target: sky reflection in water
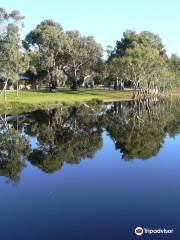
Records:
x=91, y=172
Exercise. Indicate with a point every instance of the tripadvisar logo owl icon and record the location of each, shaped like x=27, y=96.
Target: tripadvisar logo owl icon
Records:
x=139, y=231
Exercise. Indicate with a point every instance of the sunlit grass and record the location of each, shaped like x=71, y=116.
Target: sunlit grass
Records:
x=64, y=96
x=42, y=98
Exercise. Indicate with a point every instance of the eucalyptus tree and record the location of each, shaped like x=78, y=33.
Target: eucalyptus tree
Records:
x=174, y=69
x=174, y=63
x=81, y=57
x=132, y=38
x=155, y=42
x=57, y=51
x=46, y=47
x=101, y=72
x=139, y=59
x=117, y=72
x=13, y=61
x=144, y=67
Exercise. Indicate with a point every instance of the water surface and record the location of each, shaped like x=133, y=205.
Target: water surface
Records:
x=91, y=172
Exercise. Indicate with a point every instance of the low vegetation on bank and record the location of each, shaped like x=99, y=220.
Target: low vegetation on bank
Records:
x=43, y=99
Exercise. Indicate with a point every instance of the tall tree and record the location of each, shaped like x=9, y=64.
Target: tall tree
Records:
x=13, y=61
x=81, y=57
x=139, y=59
x=76, y=56
x=47, y=41
x=131, y=39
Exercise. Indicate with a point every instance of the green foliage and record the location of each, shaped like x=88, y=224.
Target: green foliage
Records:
x=67, y=58
x=55, y=51
x=141, y=60
x=45, y=47
x=64, y=136
x=13, y=150
x=82, y=56
x=174, y=69
x=13, y=61
x=68, y=135
x=139, y=128
x=131, y=39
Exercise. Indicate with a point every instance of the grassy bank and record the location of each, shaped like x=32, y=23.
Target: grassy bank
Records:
x=29, y=100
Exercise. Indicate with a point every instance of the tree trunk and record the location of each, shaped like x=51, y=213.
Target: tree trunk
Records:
x=5, y=94
x=17, y=89
x=116, y=83
x=4, y=89
x=74, y=84
x=72, y=79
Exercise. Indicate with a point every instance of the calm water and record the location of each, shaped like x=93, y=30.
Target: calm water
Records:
x=91, y=172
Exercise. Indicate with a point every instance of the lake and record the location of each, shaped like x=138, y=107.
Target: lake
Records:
x=91, y=171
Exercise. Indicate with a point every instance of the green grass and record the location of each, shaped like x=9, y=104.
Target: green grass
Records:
x=32, y=99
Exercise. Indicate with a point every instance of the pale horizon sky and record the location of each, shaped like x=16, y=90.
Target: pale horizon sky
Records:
x=105, y=20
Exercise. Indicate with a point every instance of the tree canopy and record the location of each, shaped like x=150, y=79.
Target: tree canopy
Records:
x=13, y=61
x=140, y=59
x=56, y=51
x=50, y=55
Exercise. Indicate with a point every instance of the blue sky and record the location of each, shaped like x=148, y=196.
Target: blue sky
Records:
x=105, y=19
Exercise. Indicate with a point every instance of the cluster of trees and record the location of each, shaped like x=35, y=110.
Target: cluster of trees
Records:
x=140, y=60
x=64, y=136
x=71, y=134
x=139, y=128
x=56, y=54
x=48, y=54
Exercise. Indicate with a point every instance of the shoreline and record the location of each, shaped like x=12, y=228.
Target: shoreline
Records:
x=31, y=101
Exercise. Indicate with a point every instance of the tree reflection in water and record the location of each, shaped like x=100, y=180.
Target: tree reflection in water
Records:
x=14, y=148
x=139, y=128
x=70, y=134
x=64, y=136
